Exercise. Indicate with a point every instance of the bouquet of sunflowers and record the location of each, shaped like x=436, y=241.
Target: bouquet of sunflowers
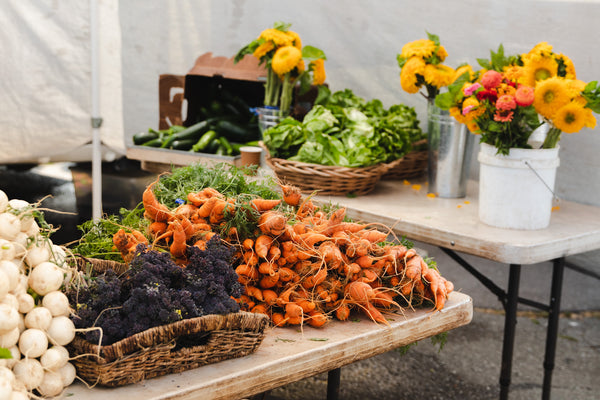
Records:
x=511, y=96
x=280, y=50
x=421, y=66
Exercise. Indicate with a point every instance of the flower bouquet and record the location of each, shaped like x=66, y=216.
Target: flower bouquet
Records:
x=421, y=64
x=505, y=103
x=281, y=51
x=507, y=100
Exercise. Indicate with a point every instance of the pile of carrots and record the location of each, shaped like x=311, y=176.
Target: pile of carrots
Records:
x=301, y=265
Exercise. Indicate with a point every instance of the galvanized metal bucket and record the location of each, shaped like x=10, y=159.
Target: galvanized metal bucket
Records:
x=450, y=148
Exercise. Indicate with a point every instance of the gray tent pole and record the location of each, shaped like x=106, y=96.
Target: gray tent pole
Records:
x=96, y=119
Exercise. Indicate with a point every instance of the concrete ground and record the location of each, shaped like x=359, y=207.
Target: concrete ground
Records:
x=467, y=367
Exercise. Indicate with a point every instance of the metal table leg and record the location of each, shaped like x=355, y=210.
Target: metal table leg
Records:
x=333, y=384
x=510, y=322
x=553, y=319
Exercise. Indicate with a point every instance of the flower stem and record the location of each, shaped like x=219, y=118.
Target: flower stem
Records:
x=272, y=89
x=552, y=138
x=286, y=93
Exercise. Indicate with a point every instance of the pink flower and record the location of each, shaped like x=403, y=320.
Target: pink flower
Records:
x=506, y=103
x=503, y=116
x=524, y=96
x=467, y=109
x=491, y=79
x=468, y=91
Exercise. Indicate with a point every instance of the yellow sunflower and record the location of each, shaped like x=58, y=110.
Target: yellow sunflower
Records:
x=540, y=50
x=575, y=86
x=441, y=53
x=461, y=70
x=318, y=68
x=408, y=74
x=550, y=95
x=296, y=41
x=570, y=118
x=420, y=48
x=263, y=49
x=566, y=67
x=590, y=120
x=538, y=69
x=286, y=58
x=438, y=75
x=279, y=38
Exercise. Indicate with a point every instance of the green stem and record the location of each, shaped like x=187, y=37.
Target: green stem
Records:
x=286, y=93
x=272, y=87
x=552, y=138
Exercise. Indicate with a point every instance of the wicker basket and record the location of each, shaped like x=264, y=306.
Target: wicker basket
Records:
x=166, y=349
x=413, y=164
x=327, y=179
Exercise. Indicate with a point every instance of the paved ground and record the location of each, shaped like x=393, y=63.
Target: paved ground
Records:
x=467, y=367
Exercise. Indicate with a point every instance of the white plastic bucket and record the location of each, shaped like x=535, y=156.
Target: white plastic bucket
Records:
x=516, y=190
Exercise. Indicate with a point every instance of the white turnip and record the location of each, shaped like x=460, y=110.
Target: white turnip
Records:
x=54, y=358
x=30, y=372
x=5, y=389
x=38, y=318
x=12, y=273
x=67, y=373
x=52, y=384
x=57, y=302
x=61, y=331
x=10, y=338
x=9, y=318
x=11, y=300
x=33, y=343
x=38, y=253
x=4, y=284
x=9, y=362
x=7, y=250
x=45, y=278
x=3, y=201
x=10, y=225
x=26, y=302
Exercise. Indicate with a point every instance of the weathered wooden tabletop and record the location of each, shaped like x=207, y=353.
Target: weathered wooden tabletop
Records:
x=454, y=224
x=290, y=354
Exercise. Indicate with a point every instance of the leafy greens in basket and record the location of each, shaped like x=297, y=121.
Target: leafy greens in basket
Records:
x=343, y=129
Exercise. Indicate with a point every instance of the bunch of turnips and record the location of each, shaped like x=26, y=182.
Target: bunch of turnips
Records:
x=34, y=312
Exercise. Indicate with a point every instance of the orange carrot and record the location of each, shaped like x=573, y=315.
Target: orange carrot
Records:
x=268, y=281
x=306, y=305
x=293, y=310
x=247, y=271
x=178, y=246
x=291, y=195
x=262, y=205
x=272, y=223
x=255, y=292
x=248, y=244
x=286, y=274
x=205, y=209
x=260, y=309
x=267, y=268
x=278, y=319
x=157, y=228
x=316, y=319
x=262, y=245
x=374, y=236
x=342, y=312
x=155, y=210
x=270, y=296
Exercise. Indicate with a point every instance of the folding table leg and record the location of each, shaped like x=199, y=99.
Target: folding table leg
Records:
x=333, y=384
x=553, y=319
x=510, y=321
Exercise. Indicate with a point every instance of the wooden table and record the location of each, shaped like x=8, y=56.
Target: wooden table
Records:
x=454, y=226
x=287, y=355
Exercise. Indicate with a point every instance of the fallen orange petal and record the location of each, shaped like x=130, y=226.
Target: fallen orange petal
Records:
x=416, y=187
x=431, y=195
x=406, y=182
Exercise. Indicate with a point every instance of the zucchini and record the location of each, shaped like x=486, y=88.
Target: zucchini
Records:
x=235, y=132
x=213, y=146
x=205, y=140
x=184, y=144
x=154, y=143
x=143, y=137
x=192, y=132
x=225, y=144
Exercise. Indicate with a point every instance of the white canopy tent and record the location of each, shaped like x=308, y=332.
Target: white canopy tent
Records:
x=61, y=86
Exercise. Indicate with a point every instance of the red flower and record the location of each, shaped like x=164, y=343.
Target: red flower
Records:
x=489, y=95
x=491, y=79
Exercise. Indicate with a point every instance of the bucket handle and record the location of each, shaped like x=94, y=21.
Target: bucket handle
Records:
x=554, y=196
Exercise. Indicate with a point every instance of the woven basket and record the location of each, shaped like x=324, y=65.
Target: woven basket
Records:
x=166, y=349
x=413, y=164
x=327, y=179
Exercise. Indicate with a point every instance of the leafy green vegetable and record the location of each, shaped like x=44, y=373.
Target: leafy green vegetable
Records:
x=343, y=129
x=226, y=178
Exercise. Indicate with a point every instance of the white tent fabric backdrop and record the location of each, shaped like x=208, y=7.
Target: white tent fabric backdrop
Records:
x=46, y=85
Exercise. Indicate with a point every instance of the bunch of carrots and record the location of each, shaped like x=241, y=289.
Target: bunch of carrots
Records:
x=301, y=264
